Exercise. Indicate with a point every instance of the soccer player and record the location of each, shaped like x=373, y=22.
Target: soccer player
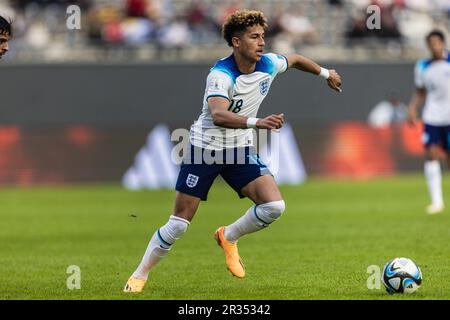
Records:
x=5, y=36
x=432, y=80
x=235, y=88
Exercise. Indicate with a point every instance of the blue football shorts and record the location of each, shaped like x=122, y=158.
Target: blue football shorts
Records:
x=200, y=167
x=437, y=135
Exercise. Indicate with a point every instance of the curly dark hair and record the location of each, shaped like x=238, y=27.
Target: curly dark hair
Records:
x=5, y=26
x=240, y=21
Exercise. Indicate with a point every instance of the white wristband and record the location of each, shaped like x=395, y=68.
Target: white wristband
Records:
x=251, y=122
x=324, y=73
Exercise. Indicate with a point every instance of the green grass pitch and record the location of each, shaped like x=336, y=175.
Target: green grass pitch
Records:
x=320, y=248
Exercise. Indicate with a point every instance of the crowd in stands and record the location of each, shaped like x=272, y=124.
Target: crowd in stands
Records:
x=180, y=24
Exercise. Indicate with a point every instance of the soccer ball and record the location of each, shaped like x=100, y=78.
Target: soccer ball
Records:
x=401, y=275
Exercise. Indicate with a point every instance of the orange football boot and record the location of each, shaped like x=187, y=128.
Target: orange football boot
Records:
x=232, y=258
x=134, y=285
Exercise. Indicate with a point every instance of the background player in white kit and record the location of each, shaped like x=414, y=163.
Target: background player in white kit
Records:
x=236, y=86
x=432, y=80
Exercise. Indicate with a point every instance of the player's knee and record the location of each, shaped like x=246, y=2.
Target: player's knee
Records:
x=277, y=209
x=273, y=210
x=177, y=227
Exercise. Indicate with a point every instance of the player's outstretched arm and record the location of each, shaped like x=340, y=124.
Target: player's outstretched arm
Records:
x=305, y=64
x=417, y=100
x=225, y=118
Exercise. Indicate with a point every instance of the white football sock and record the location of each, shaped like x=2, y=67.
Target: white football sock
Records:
x=160, y=245
x=256, y=218
x=432, y=169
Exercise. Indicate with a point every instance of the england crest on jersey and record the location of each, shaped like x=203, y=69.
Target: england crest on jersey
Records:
x=264, y=87
x=191, y=180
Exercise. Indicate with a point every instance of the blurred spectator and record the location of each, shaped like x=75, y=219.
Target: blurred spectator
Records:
x=175, y=35
x=296, y=29
x=38, y=36
x=200, y=22
x=337, y=3
x=230, y=8
x=388, y=31
x=112, y=32
x=108, y=19
x=387, y=112
x=389, y=26
x=197, y=14
x=414, y=25
x=137, y=30
x=136, y=8
x=358, y=29
x=159, y=10
x=419, y=5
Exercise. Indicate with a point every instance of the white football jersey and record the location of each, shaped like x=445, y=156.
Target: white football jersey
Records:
x=245, y=92
x=434, y=77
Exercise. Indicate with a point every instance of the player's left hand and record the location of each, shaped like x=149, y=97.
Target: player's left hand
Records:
x=334, y=81
x=413, y=119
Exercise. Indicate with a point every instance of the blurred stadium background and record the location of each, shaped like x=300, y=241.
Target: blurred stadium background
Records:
x=148, y=30
x=78, y=104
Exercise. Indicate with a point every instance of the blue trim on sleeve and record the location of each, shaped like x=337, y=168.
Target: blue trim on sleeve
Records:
x=228, y=66
x=424, y=64
x=265, y=64
x=217, y=95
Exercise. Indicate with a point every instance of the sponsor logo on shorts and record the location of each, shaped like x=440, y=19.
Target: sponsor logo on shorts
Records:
x=191, y=180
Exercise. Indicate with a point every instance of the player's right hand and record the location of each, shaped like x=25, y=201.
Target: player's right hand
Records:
x=335, y=81
x=274, y=121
